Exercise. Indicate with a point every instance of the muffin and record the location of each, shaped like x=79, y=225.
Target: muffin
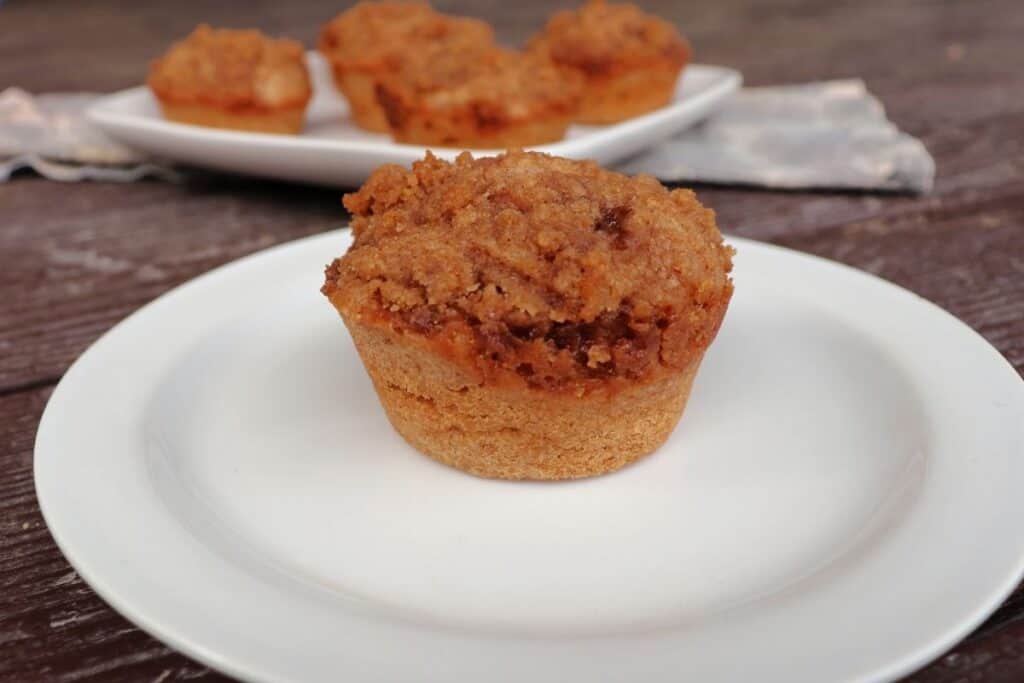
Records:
x=526, y=316
x=373, y=39
x=240, y=79
x=487, y=100
x=629, y=61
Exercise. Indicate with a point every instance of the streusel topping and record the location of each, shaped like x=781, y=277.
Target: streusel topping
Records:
x=232, y=68
x=600, y=38
x=527, y=267
x=388, y=34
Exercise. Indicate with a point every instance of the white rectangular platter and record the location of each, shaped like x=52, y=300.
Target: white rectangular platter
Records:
x=333, y=151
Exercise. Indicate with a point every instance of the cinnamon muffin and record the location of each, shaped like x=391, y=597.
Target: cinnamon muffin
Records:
x=372, y=40
x=227, y=78
x=526, y=316
x=486, y=100
x=629, y=61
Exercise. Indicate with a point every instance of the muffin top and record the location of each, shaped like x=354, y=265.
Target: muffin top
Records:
x=601, y=38
x=528, y=268
x=375, y=35
x=232, y=68
x=498, y=85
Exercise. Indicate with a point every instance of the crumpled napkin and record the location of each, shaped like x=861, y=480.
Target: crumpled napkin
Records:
x=50, y=134
x=832, y=134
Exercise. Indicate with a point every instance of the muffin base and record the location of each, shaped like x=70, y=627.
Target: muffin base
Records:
x=359, y=90
x=516, y=432
x=446, y=131
x=610, y=99
x=414, y=122
x=288, y=121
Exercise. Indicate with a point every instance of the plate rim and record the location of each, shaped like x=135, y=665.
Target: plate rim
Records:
x=48, y=504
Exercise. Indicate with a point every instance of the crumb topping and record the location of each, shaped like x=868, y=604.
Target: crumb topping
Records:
x=232, y=68
x=531, y=268
x=498, y=85
x=388, y=34
x=600, y=37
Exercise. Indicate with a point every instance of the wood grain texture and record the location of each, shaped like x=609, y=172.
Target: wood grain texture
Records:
x=75, y=259
x=82, y=256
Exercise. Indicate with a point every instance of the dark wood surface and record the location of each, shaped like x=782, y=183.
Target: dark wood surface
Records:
x=77, y=258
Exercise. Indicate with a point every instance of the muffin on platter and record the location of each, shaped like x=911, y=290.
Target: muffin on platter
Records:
x=373, y=39
x=232, y=78
x=486, y=100
x=629, y=60
x=526, y=316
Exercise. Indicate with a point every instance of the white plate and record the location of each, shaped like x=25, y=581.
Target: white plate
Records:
x=334, y=151
x=840, y=502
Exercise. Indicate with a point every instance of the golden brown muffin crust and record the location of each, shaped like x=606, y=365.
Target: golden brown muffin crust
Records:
x=516, y=432
x=233, y=69
x=375, y=35
x=527, y=268
x=600, y=38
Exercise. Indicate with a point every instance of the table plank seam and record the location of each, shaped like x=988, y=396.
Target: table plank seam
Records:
x=30, y=385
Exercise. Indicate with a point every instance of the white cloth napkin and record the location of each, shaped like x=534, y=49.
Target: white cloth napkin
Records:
x=50, y=134
x=832, y=134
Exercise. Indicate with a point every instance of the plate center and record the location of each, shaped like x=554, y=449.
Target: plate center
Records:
x=799, y=438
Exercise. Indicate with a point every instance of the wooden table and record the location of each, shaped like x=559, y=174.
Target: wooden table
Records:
x=77, y=258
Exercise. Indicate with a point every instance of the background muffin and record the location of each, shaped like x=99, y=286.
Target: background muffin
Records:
x=372, y=40
x=493, y=99
x=228, y=78
x=630, y=61
x=526, y=316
